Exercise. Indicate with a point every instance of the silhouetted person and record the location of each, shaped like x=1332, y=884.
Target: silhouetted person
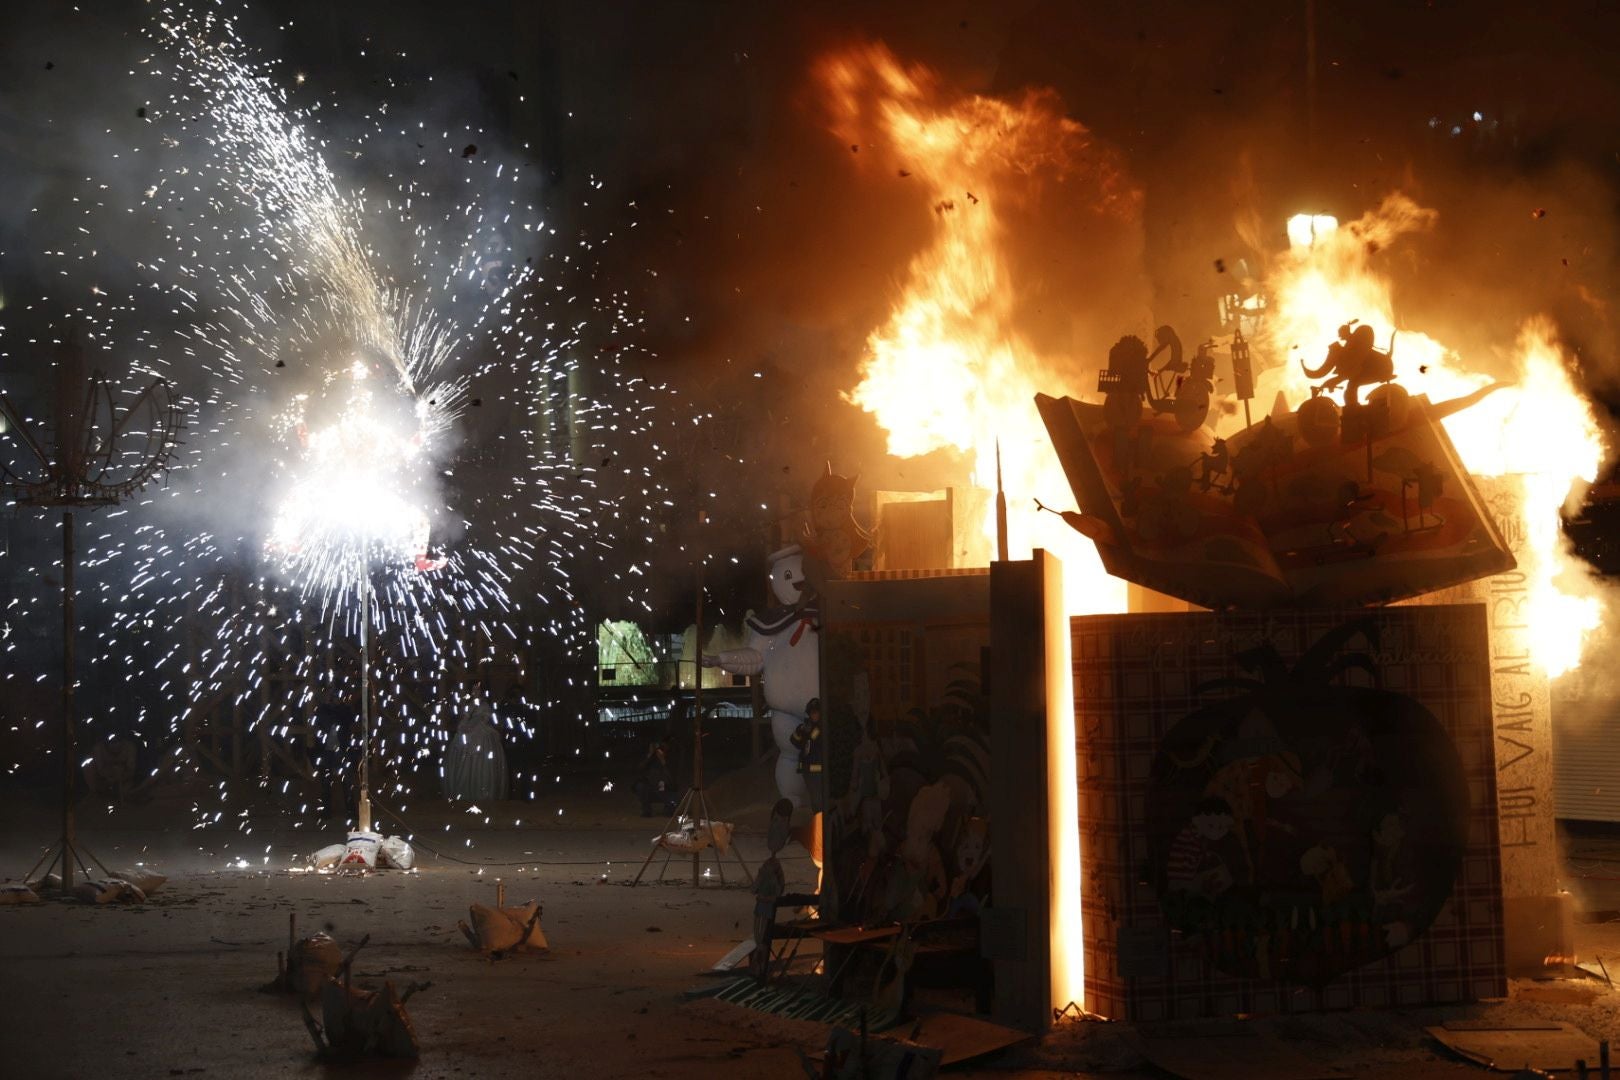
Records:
x=653, y=784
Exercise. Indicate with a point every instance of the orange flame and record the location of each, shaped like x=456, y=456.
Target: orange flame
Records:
x=949, y=368
x=1539, y=427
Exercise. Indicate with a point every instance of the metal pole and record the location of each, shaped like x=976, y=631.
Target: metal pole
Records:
x=68, y=752
x=365, y=704
x=697, y=710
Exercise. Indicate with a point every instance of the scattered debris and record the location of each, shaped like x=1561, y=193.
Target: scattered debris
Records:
x=501, y=930
x=1226, y=1051
x=1509, y=1046
x=108, y=891
x=736, y=956
x=359, y=1023
x=854, y=1056
x=147, y=881
x=119, y=886
x=690, y=837
x=306, y=965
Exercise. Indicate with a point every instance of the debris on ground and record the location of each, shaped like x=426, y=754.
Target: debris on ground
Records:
x=117, y=887
x=361, y=1023
x=308, y=963
x=108, y=891
x=690, y=837
x=502, y=930
x=1522, y=1044
x=854, y=1056
x=148, y=881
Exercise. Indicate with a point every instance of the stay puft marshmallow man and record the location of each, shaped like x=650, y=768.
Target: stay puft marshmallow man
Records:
x=784, y=650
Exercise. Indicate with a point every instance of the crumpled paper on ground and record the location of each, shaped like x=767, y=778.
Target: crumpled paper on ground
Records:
x=501, y=930
x=694, y=836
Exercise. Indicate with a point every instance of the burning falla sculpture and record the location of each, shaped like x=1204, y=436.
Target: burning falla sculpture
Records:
x=1354, y=503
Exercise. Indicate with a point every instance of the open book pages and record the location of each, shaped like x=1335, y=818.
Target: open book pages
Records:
x=1281, y=514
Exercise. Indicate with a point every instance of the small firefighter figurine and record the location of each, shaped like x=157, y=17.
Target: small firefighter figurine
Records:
x=807, y=741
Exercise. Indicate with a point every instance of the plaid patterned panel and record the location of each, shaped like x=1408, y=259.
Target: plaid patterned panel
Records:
x=1135, y=676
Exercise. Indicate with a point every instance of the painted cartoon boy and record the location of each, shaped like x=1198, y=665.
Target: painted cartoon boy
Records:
x=1195, y=864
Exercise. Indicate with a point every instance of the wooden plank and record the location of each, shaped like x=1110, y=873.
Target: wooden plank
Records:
x=963, y=1038
x=856, y=935
x=1019, y=798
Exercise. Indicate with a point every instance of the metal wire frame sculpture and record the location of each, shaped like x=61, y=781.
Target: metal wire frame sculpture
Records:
x=100, y=457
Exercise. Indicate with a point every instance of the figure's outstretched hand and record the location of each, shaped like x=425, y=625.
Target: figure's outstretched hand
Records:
x=711, y=660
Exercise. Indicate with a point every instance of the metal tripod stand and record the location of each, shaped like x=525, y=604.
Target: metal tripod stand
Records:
x=693, y=804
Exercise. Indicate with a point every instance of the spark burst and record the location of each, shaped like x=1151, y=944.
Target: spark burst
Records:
x=325, y=341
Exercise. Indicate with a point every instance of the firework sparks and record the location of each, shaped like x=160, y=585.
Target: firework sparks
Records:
x=327, y=333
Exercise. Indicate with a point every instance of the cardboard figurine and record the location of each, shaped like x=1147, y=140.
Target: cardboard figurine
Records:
x=1354, y=361
x=807, y=741
x=862, y=804
x=918, y=887
x=1177, y=389
x=1196, y=866
x=833, y=538
x=972, y=855
x=783, y=650
x=770, y=883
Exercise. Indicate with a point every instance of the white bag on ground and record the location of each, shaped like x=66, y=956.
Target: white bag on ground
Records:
x=18, y=894
x=145, y=880
x=397, y=853
x=361, y=851
x=328, y=856
x=107, y=891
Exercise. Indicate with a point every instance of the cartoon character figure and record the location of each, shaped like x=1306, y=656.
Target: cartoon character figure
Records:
x=1354, y=361
x=868, y=784
x=783, y=649
x=1196, y=865
x=918, y=886
x=1247, y=786
x=972, y=853
x=1322, y=863
x=807, y=741
x=1388, y=878
x=833, y=537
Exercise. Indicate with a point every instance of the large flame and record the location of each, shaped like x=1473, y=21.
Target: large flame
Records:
x=1539, y=427
x=949, y=368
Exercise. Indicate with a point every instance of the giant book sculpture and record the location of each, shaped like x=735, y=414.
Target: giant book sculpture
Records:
x=1297, y=510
